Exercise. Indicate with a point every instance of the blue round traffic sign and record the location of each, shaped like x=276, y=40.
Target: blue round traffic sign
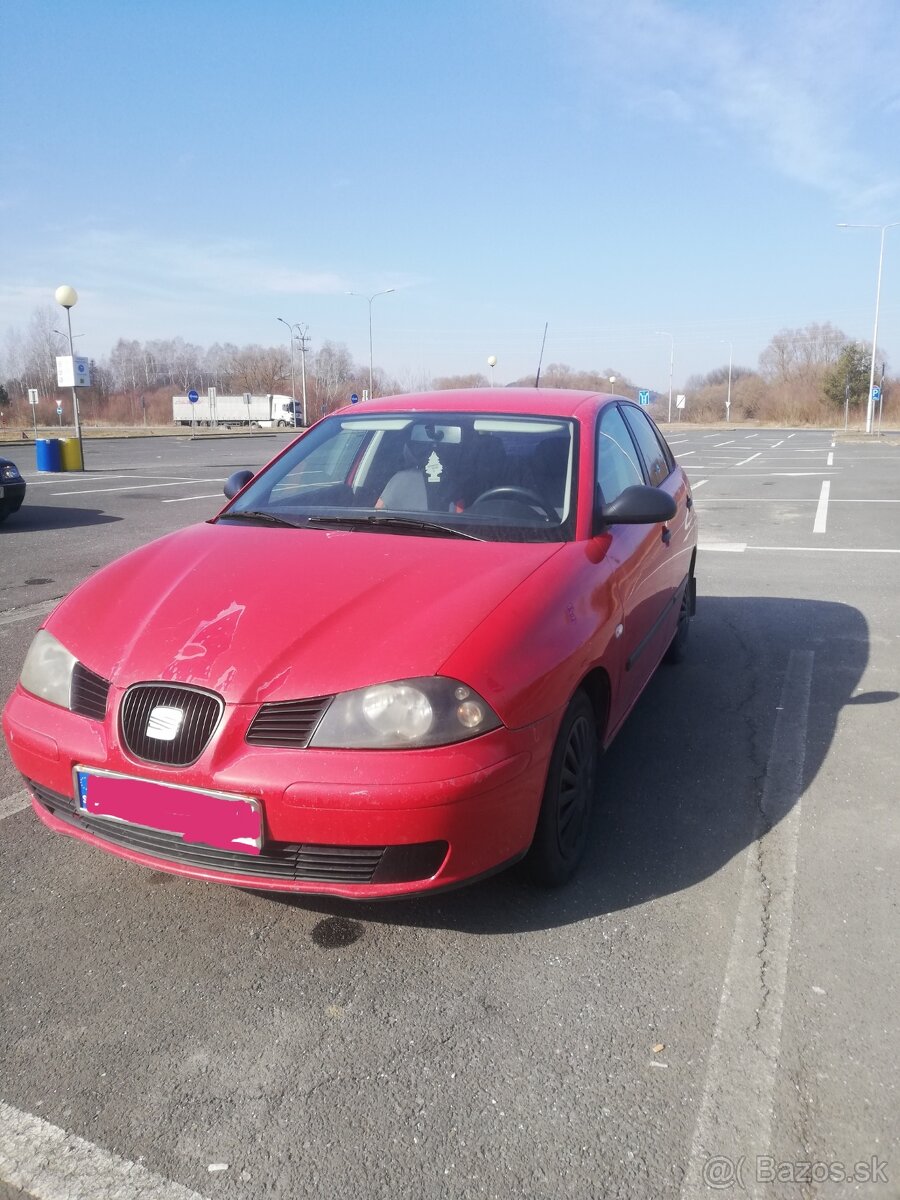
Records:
x=354, y=399
x=193, y=396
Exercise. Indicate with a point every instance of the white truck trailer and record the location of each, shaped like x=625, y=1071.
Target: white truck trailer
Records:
x=263, y=412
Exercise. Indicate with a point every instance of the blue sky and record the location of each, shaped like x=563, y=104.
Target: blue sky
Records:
x=611, y=168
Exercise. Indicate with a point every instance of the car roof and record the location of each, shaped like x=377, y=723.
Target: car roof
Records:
x=546, y=402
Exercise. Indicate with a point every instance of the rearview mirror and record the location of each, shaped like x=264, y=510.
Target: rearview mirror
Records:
x=638, y=505
x=235, y=482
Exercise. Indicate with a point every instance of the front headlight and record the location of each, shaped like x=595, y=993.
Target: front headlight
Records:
x=48, y=668
x=9, y=473
x=405, y=714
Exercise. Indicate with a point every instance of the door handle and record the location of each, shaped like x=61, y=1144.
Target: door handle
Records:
x=689, y=502
x=666, y=534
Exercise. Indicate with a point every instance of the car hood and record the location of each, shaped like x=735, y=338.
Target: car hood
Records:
x=261, y=614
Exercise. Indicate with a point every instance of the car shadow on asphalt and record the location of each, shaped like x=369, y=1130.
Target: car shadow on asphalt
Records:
x=680, y=789
x=36, y=518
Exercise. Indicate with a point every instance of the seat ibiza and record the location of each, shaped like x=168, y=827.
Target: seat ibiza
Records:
x=388, y=665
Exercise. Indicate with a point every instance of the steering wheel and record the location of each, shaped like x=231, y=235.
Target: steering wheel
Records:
x=526, y=495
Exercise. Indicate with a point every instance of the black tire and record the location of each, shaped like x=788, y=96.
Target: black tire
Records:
x=564, y=821
x=678, y=647
x=4, y=512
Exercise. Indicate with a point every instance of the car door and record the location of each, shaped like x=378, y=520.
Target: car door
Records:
x=638, y=555
x=663, y=472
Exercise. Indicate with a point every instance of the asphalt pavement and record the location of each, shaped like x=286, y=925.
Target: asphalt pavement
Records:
x=711, y=1006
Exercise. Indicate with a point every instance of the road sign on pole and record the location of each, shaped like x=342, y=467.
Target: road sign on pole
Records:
x=644, y=396
x=193, y=396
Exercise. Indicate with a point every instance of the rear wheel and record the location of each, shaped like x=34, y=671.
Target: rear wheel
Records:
x=564, y=820
x=678, y=647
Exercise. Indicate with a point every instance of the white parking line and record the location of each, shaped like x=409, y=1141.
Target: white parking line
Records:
x=750, y=459
x=699, y=483
x=140, y=487
x=829, y=461
x=28, y=611
x=830, y=549
x=729, y=443
x=724, y=547
x=746, y=1042
x=181, y=499
x=13, y=804
x=50, y=1164
x=822, y=510
x=685, y=453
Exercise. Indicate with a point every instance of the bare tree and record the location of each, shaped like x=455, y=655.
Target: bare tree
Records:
x=806, y=353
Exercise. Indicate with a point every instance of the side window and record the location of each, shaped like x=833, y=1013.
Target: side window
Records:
x=617, y=461
x=651, y=447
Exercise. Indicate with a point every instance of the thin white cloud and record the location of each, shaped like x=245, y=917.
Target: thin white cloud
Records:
x=800, y=83
x=234, y=266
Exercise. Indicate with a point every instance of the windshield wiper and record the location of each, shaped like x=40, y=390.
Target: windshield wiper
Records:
x=407, y=524
x=256, y=515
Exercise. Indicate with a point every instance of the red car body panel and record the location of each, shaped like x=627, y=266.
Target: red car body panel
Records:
x=262, y=615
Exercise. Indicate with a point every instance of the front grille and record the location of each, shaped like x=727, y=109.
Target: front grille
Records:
x=89, y=693
x=289, y=861
x=289, y=724
x=286, y=861
x=201, y=714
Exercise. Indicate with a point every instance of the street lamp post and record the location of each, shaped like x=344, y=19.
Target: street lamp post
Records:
x=68, y=298
x=492, y=362
x=870, y=406
x=612, y=380
x=730, y=360
x=386, y=292
x=662, y=333
x=293, y=396
x=301, y=338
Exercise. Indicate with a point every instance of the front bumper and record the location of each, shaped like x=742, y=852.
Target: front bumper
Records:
x=11, y=495
x=358, y=824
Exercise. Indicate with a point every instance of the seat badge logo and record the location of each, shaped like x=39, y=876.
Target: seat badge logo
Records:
x=164, y=723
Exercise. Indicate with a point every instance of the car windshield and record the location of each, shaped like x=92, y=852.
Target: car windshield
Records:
x=492, y=477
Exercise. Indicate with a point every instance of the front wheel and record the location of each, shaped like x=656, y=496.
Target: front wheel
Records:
x=564, y=821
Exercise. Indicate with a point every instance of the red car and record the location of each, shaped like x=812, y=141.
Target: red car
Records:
x=387, y=666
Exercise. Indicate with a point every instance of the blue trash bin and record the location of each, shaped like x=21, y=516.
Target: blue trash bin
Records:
x=48, y=454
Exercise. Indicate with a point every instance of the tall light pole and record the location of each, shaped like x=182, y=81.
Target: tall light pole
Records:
x=730, y=360
x=612, y=380
x=662, y=333
x=68, y=298
x=386, y=292
x=492, y=362
x=870, y=407
x=291, y=341
x=301, y=338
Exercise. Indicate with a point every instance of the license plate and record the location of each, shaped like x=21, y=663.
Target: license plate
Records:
x=203, y=818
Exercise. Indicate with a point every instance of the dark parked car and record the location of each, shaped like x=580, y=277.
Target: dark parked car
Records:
x=12, y=488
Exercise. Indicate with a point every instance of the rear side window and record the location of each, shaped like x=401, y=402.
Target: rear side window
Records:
x=650, y=444
x=617, y=460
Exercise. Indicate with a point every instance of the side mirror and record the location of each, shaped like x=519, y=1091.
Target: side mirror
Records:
x=638, y=505
x=235, y=482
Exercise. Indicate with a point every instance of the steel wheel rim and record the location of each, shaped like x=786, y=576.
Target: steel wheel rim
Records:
x=576, y=779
